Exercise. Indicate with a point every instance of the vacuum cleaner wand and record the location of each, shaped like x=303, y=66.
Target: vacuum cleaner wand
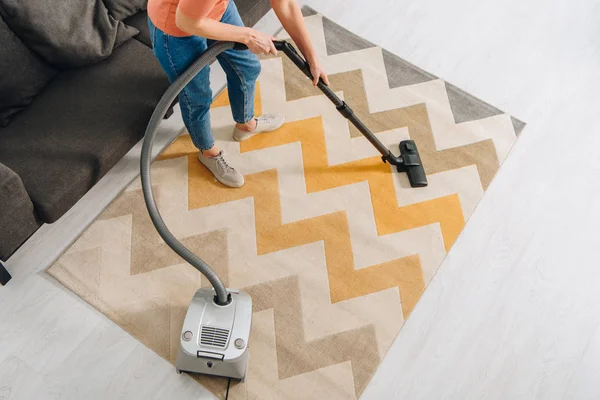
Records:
x=409, y=160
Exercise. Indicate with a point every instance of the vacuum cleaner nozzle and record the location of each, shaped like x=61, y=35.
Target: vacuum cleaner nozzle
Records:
x=411, y=164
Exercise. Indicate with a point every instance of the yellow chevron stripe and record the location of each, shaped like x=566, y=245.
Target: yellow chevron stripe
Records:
x=182, y=146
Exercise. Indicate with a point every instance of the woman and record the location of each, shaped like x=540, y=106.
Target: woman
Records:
x=182, y=29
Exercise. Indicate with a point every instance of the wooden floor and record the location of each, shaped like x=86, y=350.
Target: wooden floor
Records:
x=514, y=312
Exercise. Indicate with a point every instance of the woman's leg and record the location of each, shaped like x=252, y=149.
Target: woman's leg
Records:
x=175, y=55
x=242, y=68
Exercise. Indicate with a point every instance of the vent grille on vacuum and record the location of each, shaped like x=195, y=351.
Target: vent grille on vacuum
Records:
x=211, y=336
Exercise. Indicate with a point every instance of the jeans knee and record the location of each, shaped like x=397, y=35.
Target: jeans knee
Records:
x=253, y=70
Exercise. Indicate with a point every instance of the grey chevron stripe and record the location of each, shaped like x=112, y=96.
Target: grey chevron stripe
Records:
x=340, y=40
x=307, y=11
x=402, y=73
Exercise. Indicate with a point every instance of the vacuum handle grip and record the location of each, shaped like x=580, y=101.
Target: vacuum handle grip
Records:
x=290, y=51
x=301, y=63
x=239, y=46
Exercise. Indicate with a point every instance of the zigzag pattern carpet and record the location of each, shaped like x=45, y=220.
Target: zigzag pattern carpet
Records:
x=334, y=247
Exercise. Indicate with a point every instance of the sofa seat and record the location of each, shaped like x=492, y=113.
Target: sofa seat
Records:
x=80, y=125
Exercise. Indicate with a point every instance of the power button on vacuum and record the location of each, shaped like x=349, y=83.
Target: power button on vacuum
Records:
x=187, y=336
x=239, y=343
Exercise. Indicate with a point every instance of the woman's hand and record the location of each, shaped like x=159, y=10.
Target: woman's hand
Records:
x=317, y=72
x=260, y=43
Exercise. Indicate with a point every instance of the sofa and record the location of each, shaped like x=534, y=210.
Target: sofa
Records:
x=78, y=84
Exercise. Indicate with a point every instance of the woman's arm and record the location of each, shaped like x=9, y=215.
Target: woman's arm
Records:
x=290, y=15
x=257, y=42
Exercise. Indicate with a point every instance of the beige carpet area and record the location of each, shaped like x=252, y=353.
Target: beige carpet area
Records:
x=334, y=247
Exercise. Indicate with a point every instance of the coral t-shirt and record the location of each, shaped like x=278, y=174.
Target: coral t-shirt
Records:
x=162, y=12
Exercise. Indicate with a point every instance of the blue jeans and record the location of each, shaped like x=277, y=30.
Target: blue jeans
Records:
x=176, y=54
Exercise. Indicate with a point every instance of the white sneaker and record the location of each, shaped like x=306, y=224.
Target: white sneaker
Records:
x=224, y=172
x=264, y=123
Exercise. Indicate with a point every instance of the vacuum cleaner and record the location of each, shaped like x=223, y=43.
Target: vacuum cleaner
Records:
x=216, y=331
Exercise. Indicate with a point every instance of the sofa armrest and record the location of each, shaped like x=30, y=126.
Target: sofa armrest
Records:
x=4, y=275
x=18, y=219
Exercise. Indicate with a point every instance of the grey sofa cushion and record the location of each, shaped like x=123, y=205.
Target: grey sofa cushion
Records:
x=18, y=219
x=140, y=22
x=66, y=33
x=121, y=9
x=22, y=74
x=81, y=125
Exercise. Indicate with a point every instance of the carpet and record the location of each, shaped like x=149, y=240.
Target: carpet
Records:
x=334, y=247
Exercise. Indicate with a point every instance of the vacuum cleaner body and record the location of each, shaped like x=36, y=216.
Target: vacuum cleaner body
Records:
x=214, y=338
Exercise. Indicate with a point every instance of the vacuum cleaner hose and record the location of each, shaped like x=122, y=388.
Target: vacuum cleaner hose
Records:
x=222, y=297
